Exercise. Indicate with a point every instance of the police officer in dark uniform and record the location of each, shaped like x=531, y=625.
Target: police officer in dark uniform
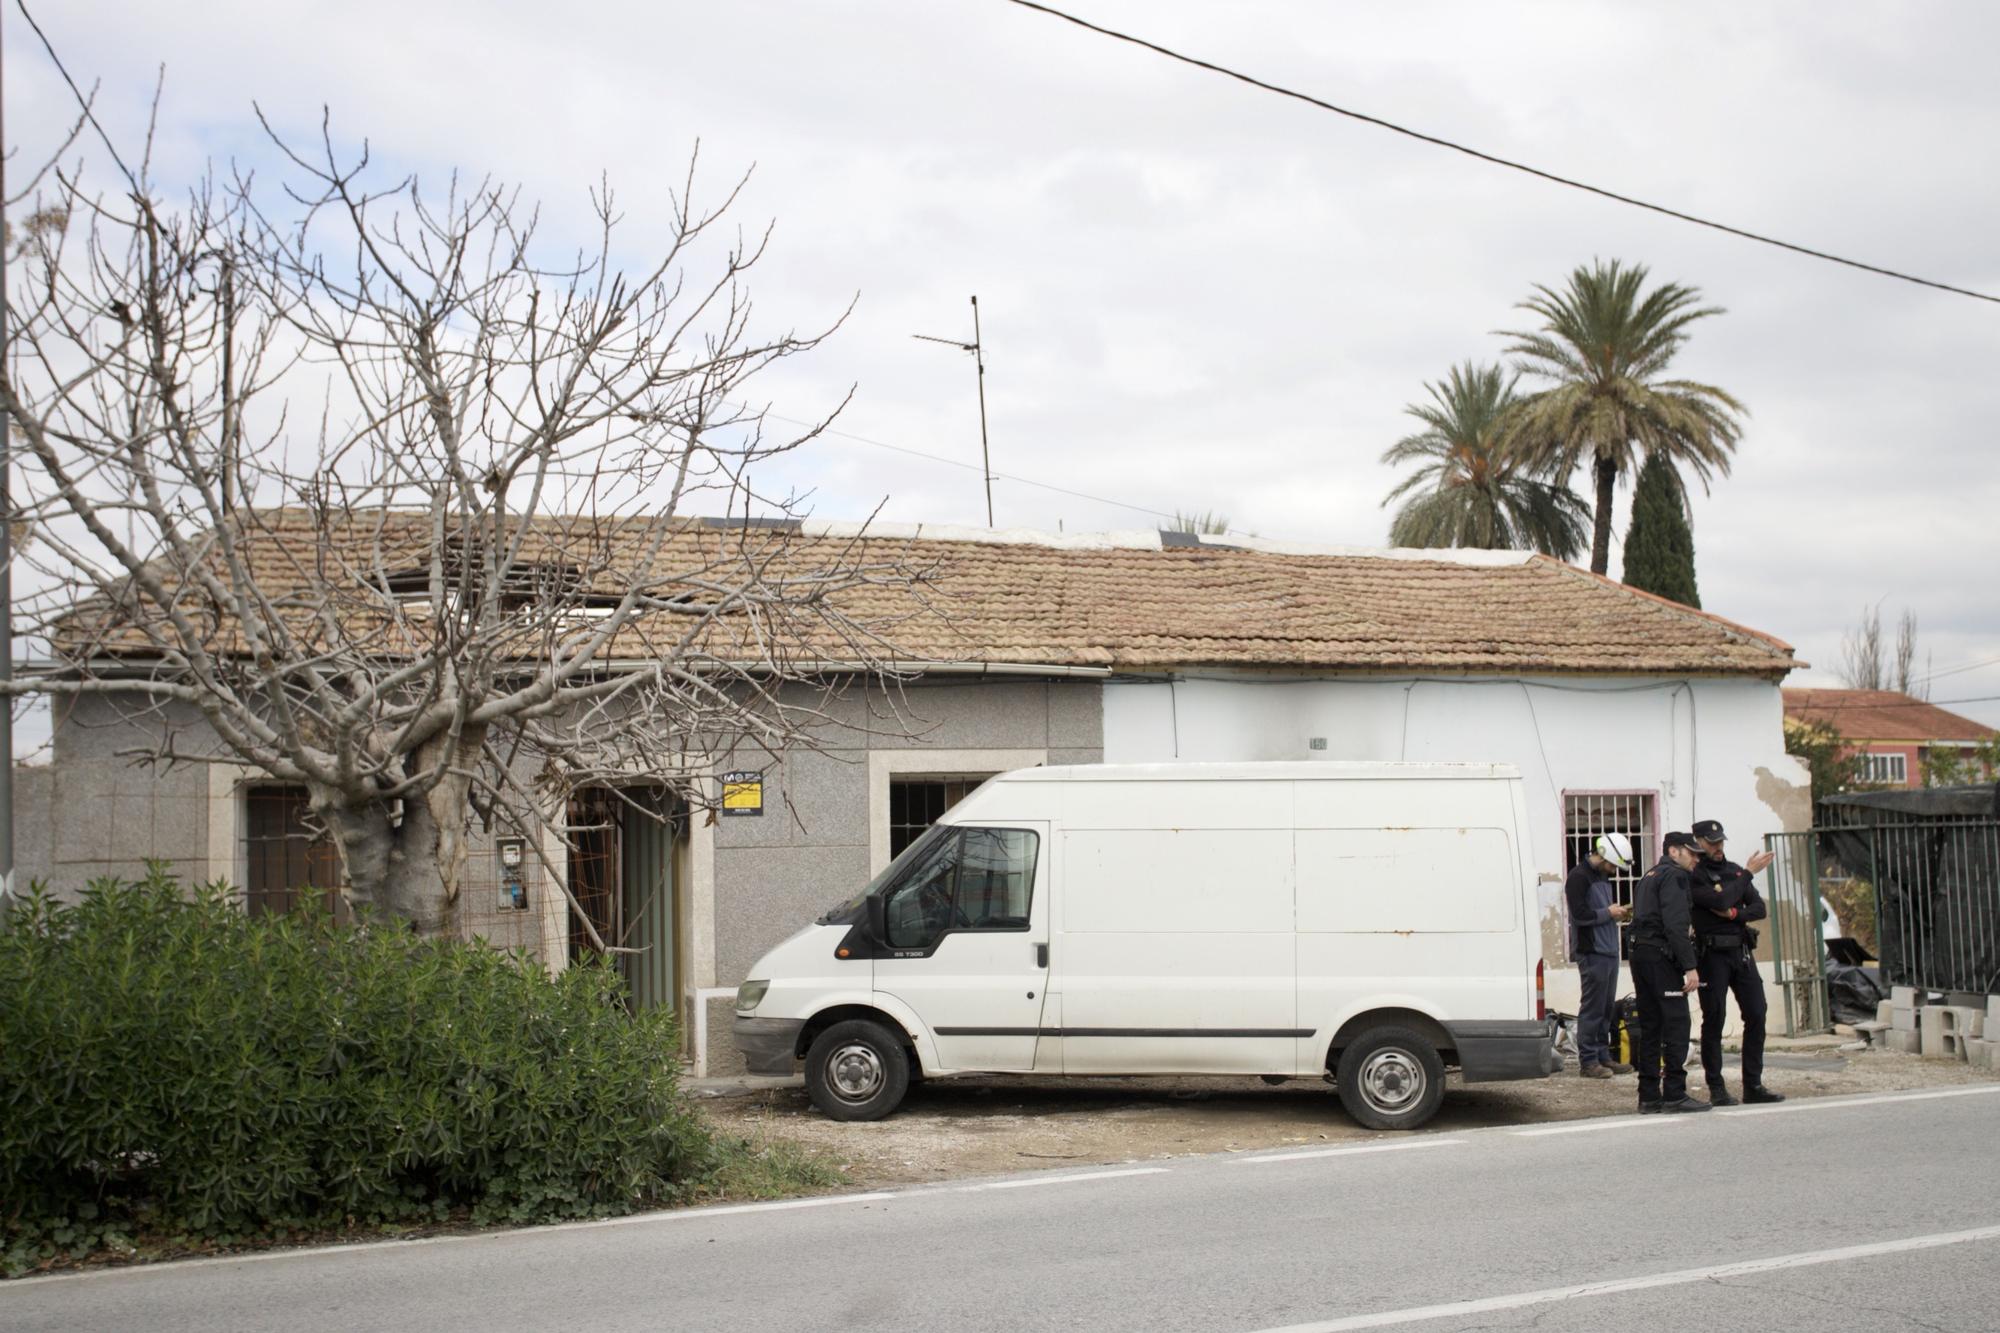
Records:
x=1663, y=973
x=1726, y=901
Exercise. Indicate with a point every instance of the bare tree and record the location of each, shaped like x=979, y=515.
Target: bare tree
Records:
x=354, y=483
x=1868, y=663
x=1861, y=652
x=1906, y=658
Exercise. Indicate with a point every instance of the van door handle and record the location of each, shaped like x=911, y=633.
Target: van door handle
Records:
x=1041, y=955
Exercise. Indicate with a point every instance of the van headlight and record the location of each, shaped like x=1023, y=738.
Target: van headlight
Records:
x=749, y=995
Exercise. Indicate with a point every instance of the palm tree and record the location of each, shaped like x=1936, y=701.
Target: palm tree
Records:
x=1473, y=491
x=1604, y=347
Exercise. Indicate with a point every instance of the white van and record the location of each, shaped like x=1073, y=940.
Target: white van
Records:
x=1370, y=923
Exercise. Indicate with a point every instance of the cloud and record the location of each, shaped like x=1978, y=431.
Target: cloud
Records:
x=1196, y=295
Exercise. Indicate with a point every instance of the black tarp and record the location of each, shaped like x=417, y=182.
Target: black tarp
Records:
x=1933, y=856
x=1853, y=993
x=1979, y=801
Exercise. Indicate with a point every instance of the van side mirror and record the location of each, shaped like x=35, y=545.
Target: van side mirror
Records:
x=878, y=918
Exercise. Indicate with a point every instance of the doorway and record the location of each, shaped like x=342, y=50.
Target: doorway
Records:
x=626, y=847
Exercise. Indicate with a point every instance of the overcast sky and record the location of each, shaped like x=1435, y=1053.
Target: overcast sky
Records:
x=1196, y=295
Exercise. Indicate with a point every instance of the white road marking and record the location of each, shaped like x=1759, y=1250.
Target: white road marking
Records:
x=1681, y=1277
x=682, y=1214
x=1872, y=1099
x=1342, y=1152
x=1060, y=1180
x=1592, y=1126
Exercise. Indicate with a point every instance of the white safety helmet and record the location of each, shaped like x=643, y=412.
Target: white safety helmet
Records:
x=1615, y=848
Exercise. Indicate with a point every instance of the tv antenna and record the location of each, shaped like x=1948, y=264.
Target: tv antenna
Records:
x=979, y=360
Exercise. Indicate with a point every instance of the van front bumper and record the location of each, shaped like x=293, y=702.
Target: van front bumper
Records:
x=1489, y=1051
x=767, y=1044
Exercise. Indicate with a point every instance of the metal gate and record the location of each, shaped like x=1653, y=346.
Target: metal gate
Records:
x=1936, y=882
x=1798, y=952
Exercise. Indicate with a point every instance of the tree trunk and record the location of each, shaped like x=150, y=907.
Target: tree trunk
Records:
x=414, y=867
x=1600, y=537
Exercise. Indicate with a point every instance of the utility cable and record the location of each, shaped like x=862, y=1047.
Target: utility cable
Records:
x=1811, y=710
x=1495, y=160
x=997, y=476
x=1954, y=671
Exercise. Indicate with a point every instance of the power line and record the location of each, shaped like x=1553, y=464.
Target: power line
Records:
x=1812, y=708
x=1957, y=670
x=1495, y=160
x=997, y=476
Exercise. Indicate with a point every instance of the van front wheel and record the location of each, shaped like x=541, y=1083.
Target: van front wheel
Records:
x=857, y=1070
x=1390, y=1078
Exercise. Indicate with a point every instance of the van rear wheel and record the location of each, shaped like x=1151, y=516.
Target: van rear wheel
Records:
x=857, y=1070
x=1390, y=1078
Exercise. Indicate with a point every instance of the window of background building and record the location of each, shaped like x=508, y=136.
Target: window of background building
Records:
x=917, y=801
x=1885, y=768
x=285, y=858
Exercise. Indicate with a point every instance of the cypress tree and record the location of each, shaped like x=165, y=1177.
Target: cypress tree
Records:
x=1659, y=546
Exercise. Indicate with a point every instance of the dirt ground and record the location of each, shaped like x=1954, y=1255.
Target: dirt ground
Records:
x=956, y=1128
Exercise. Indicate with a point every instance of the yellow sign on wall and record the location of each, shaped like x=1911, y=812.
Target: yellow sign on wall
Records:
x=742, y=793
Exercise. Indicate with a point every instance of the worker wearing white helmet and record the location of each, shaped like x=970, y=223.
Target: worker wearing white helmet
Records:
x=1594, y=914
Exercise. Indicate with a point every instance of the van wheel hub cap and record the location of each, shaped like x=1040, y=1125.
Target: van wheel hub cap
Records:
x=1391, y=1080
x=856, y=1072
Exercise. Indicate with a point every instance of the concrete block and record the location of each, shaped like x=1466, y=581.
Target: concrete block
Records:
x=1993, y=1012
x=1954, y=1019
x=1938, y=1037
x=1909, y=1043
x=1885, y=1012
x=1907, y=997
x=1952, y=1045
x=1980, y=1053
x=1904, y=1020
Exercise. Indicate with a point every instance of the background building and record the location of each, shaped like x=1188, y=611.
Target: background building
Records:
x=1895, y=735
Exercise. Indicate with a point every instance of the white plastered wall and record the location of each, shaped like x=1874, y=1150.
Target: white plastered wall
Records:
x=1708, y=747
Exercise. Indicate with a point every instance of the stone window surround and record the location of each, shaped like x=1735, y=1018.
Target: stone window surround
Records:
x=883, y=765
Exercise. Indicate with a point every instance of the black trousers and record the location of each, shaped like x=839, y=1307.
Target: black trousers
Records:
x=1725, y=972
x=1663, y=1026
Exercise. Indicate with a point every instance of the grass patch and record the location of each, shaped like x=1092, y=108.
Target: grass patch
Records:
x=753, y=1169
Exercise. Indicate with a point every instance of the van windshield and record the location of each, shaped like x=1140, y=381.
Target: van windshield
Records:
x=850, y=908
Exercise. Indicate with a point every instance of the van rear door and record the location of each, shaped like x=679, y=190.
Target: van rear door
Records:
x=967, y=947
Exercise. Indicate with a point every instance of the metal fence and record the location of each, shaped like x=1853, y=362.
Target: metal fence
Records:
x=1936, y=883
x=1797, y=949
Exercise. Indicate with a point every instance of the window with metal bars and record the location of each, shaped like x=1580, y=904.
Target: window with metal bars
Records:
x=1587, y=814
x=286, y=857
x=915, y=803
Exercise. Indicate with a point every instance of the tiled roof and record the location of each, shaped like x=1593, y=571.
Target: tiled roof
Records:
x=1132, y=601
x=1882, y=715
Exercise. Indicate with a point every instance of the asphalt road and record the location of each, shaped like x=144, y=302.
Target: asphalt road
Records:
x=1875, y=1213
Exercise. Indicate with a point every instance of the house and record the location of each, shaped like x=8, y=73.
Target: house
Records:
x=1622, y=710
x=1896, y=735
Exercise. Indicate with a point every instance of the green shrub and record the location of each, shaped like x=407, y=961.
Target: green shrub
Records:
x=170, y=1066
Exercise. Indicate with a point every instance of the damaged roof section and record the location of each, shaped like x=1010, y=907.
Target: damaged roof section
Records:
x=1124, y=601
